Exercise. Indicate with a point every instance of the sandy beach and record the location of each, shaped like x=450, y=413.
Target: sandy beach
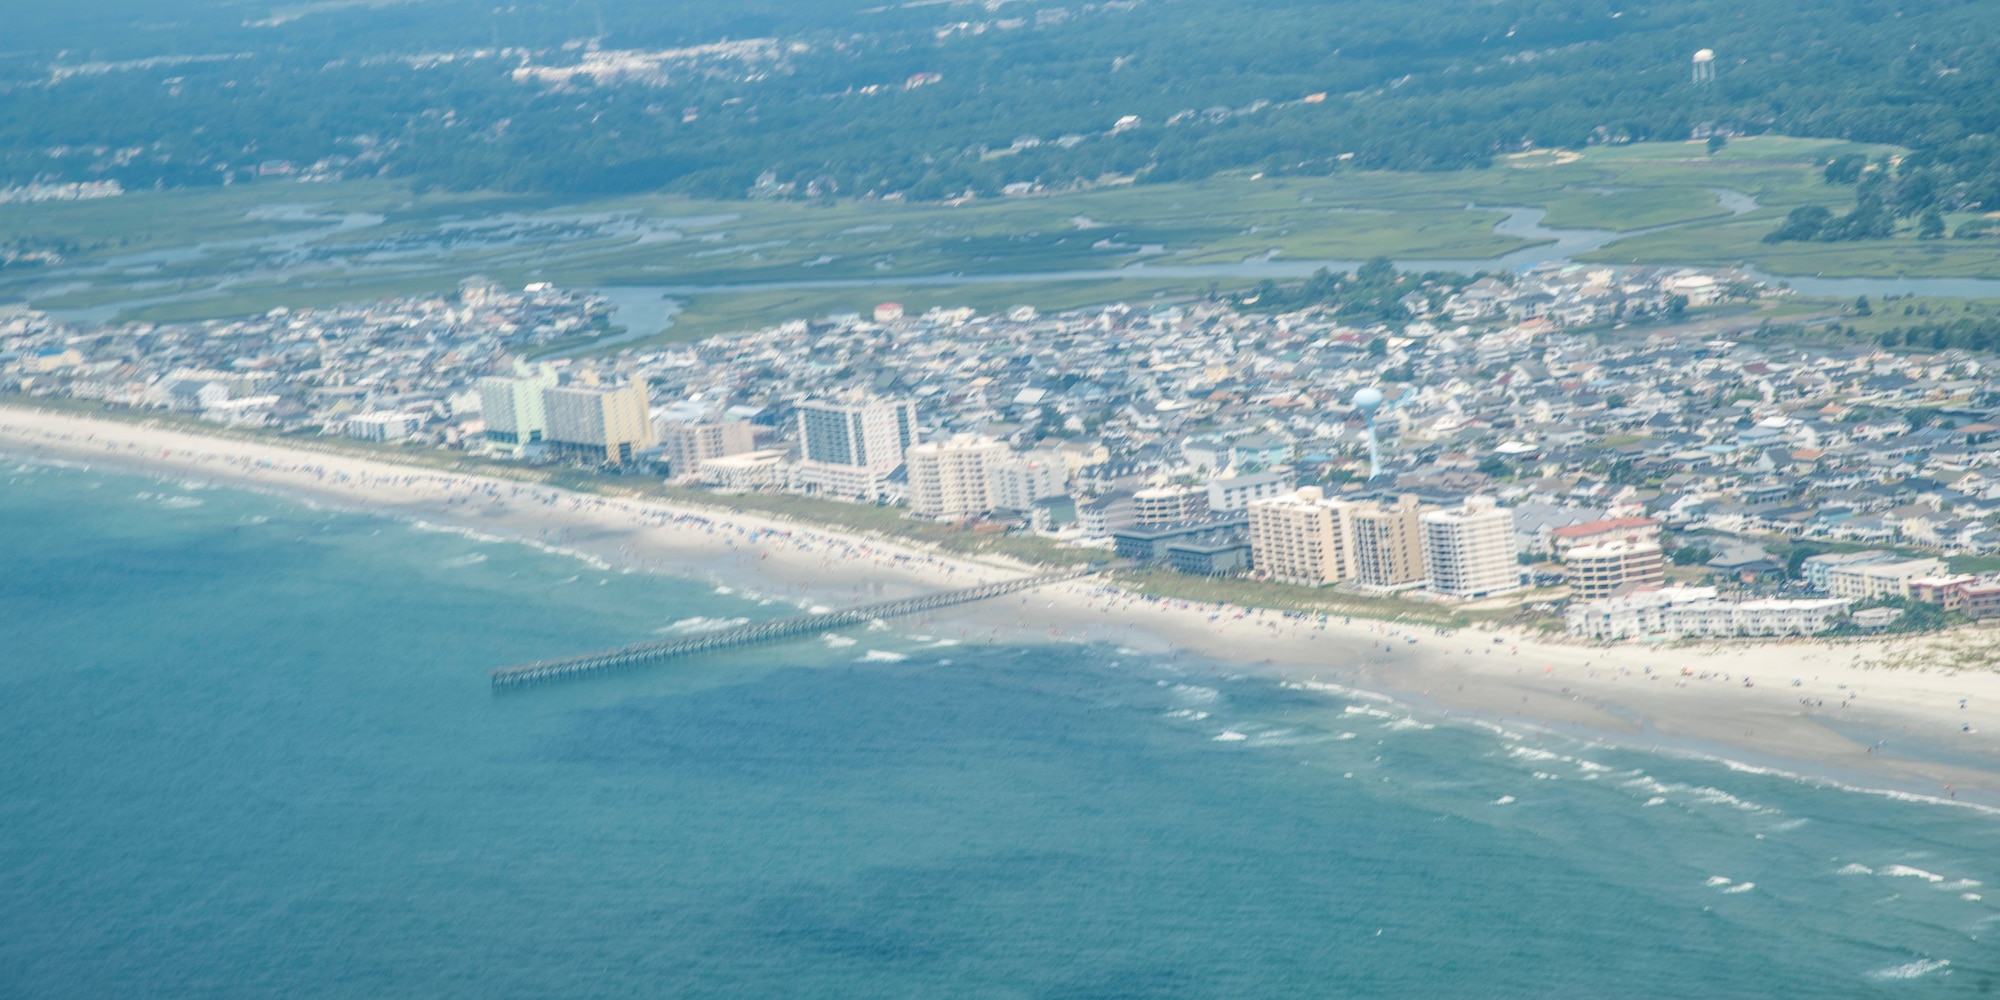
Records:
x=1914, y=716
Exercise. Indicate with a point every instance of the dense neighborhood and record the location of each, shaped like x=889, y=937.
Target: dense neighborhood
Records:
x=1561, y=428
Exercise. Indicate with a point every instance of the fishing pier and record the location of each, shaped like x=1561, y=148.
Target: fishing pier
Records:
x=640, y=654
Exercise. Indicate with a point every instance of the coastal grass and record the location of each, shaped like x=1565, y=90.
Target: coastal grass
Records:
x=245, y=249
x=879, y=520
x=1282, y=597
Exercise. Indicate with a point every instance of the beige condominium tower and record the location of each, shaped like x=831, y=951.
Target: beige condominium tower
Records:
x=1388, y=544
x=1302, y=537
x=602, y=423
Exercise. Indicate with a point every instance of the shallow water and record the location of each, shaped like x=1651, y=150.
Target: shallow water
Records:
x=250, y=751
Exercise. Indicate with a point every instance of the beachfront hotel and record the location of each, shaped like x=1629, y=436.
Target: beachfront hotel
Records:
x=511, y=405
x=599, y=423
x=1469, y=550
x=1302, y=537
x=1388, y=544
x=952, y=479
x=851, y=449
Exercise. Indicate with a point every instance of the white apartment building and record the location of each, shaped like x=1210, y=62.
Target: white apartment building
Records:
x=1017, y=481
x=1469, y=550
x=383, y=425
x=1169, y=504
x=1815, y=568
x=692, y=443
x=1102, y=515
x=1229, y=493
x=1863, y=581
x=1696, y=612
x=952, y=479
x=1599, y=571
x=747, y=471
x=850, y=449
x=1302, y=537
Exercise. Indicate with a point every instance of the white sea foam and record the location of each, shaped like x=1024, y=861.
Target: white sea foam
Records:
x=556, y=550
x=1230, y=736
x=945, y=642
x=701, y=624
x=1365, y=710
x=180, y=503
x=1407, y=722
x=1197, y=693
x=1339, y=689
x=883, y=656
x=725, y=590
x=1855, y=870
x=1656, y=801
x=468, y=560
x=1531, y=753
x=838, y=641
x=1504, y=800
x=1905, y=871
x=1715, y=880
x=1911, y=970
x=464, y=532
x=1972, y=897
x=1963, y=883
x=1740, y=887
x=1929, y=800
x=1717, y=796
x=1344, y=736
x=1492, y=727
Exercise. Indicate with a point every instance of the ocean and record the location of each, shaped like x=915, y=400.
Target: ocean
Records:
x=250, y=751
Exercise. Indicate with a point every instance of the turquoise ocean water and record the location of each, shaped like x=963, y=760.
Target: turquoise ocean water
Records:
x=247, y=749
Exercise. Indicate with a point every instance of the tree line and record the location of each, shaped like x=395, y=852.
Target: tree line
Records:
x=1031, y=98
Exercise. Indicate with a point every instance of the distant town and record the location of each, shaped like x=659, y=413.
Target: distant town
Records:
x=1549, y=436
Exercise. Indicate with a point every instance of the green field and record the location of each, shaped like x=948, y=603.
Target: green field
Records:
x=179, y=255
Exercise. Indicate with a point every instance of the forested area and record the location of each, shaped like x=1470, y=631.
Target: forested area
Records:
x=937, y=101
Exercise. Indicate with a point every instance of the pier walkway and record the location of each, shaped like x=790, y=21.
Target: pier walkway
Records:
x=638, y=654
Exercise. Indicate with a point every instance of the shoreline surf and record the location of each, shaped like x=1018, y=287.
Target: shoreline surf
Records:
x=1681, y=699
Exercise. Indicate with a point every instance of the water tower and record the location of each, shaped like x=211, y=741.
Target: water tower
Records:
x=1704, y=66
x=1369, y=400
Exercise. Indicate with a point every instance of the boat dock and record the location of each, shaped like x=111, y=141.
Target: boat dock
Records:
x=639, y=654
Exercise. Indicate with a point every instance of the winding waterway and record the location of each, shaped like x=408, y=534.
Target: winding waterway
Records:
x=645, y=310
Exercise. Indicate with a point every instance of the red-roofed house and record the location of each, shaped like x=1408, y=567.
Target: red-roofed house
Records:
x=1632, y=530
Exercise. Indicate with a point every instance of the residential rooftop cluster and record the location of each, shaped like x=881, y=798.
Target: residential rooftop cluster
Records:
x=409, y=363
x=1561, y=397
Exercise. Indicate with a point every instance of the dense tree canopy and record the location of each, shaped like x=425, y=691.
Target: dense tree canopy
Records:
x=931, y=101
